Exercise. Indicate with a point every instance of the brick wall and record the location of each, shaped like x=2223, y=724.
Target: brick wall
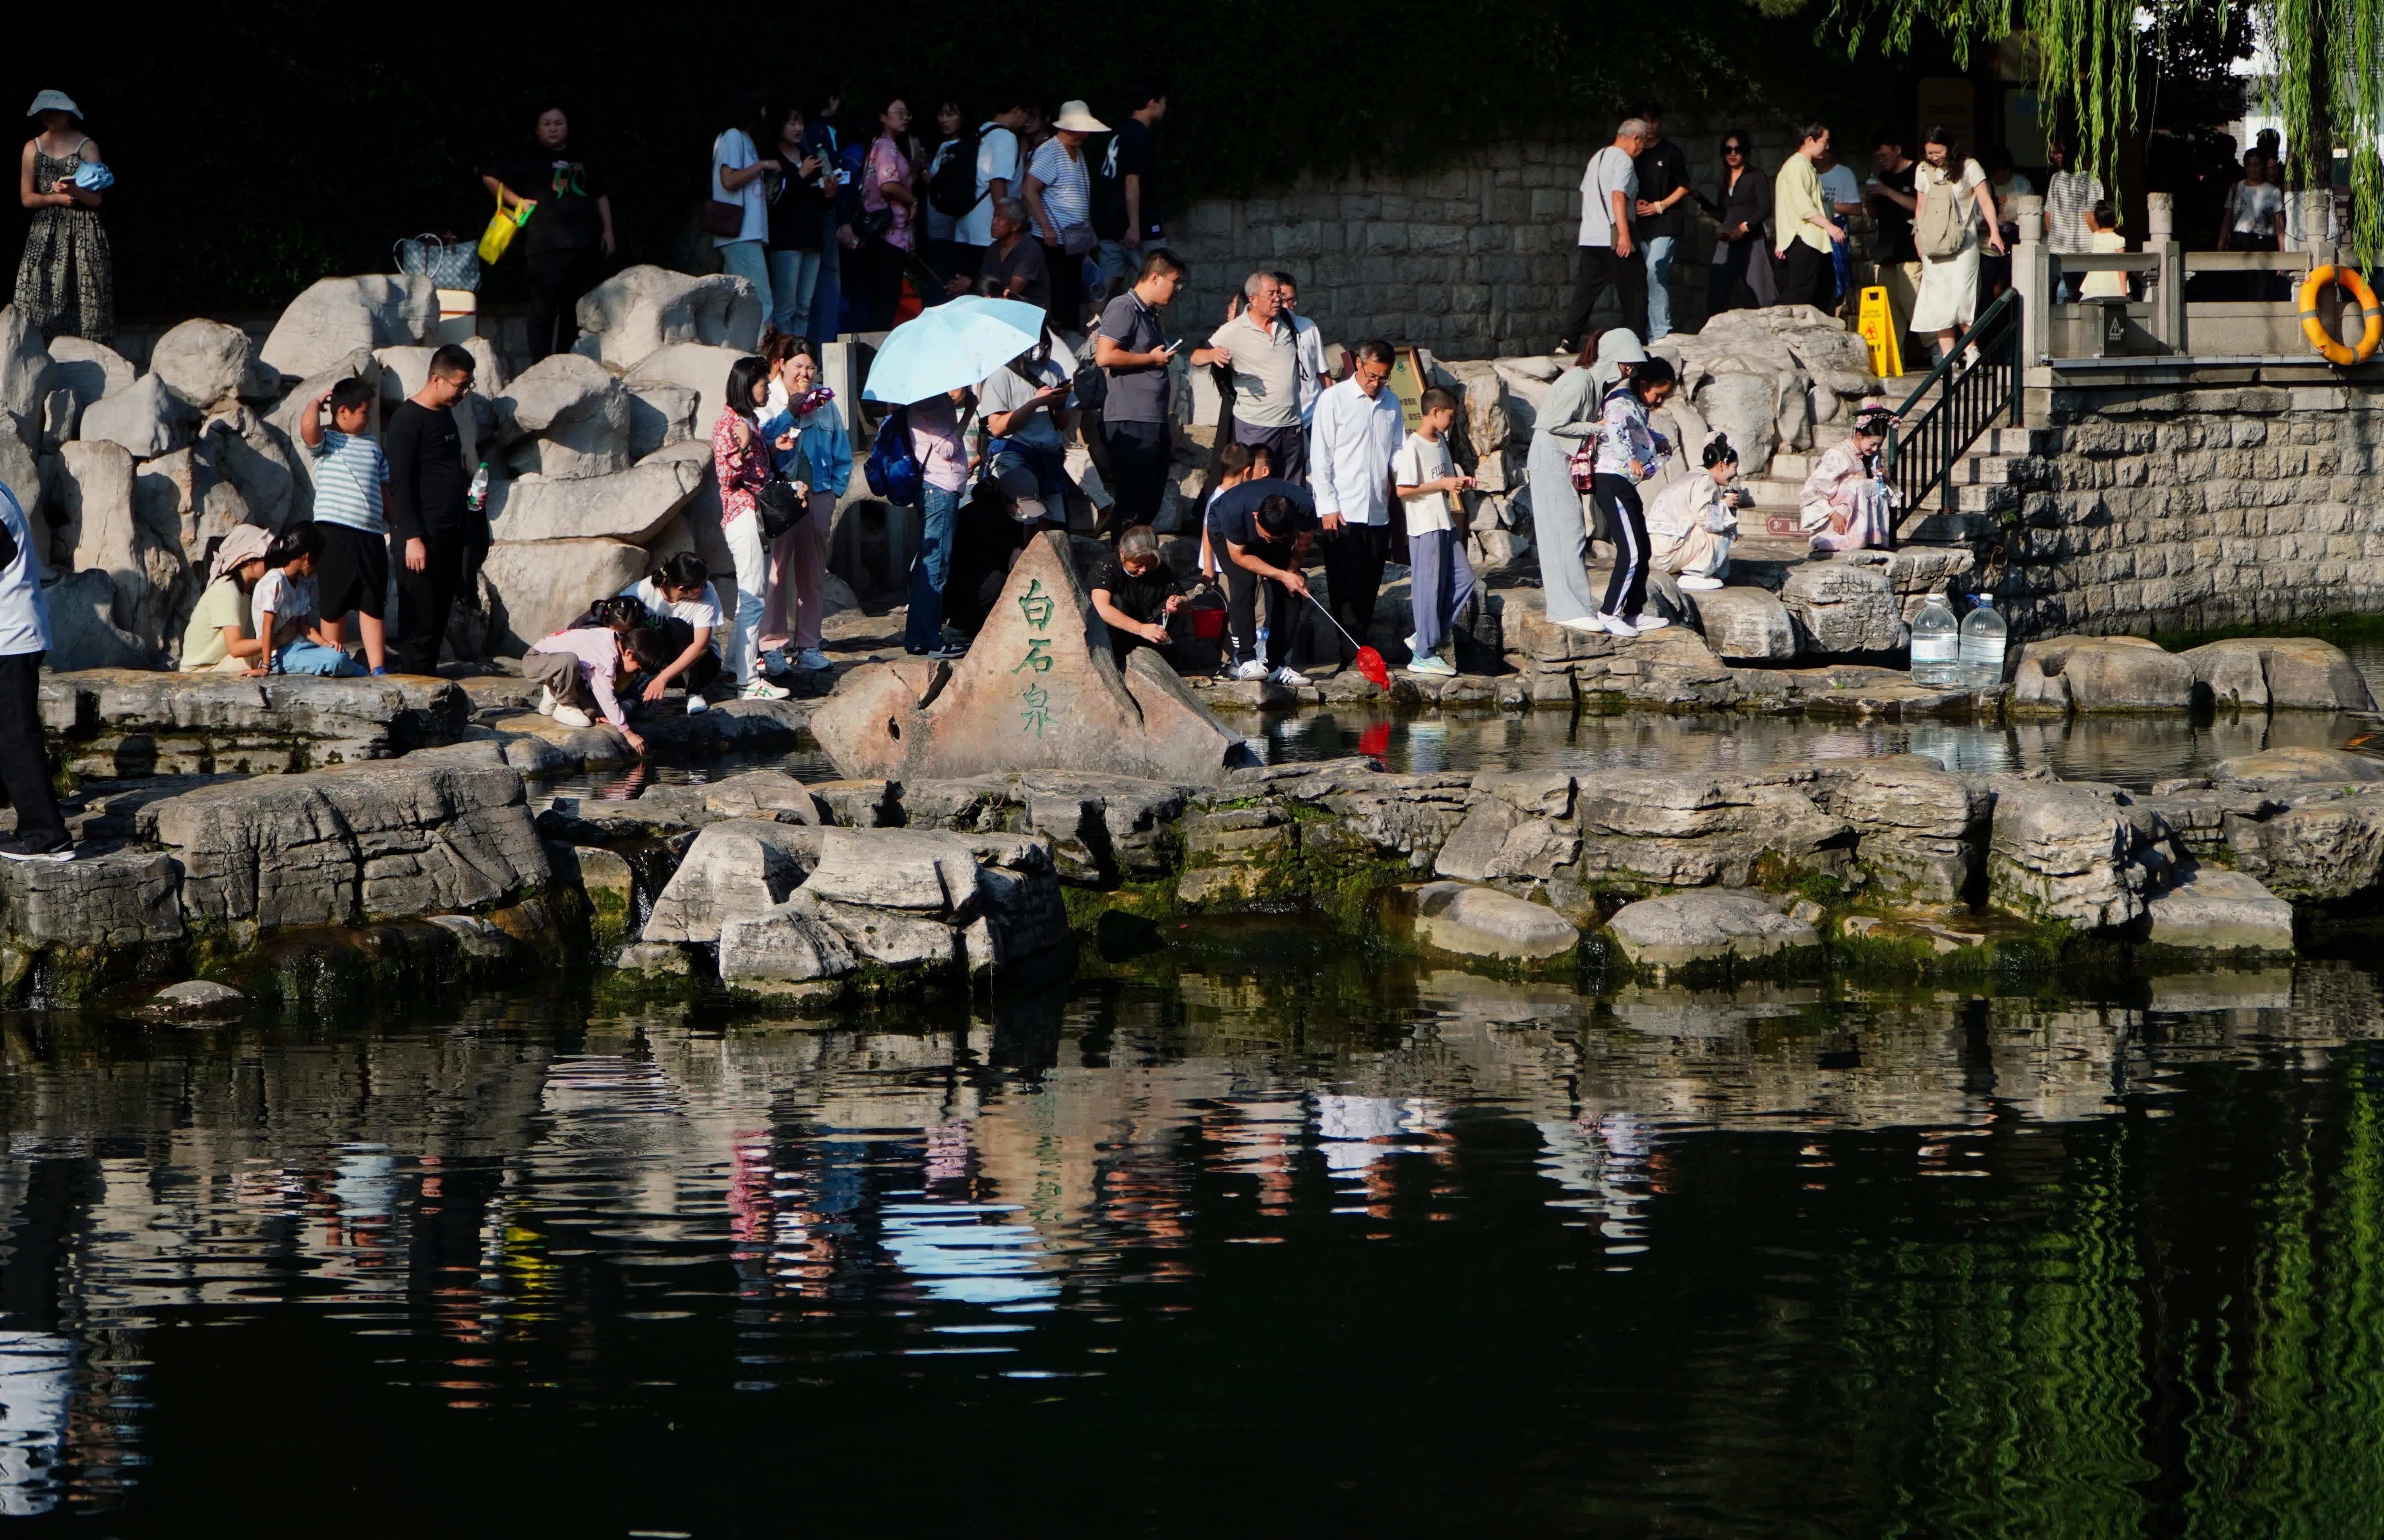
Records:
x=2190, y=508
x=1475, y=261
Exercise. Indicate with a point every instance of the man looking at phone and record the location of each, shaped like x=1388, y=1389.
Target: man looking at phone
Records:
x=1258, y=346
x=1134, y=352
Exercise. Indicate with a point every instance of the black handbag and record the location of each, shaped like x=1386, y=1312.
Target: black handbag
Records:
x=780, y=504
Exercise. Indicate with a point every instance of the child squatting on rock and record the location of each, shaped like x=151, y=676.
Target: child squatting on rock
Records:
x=283, y=602
x=1692, y=522
x=1427, y=484
x=578, y=667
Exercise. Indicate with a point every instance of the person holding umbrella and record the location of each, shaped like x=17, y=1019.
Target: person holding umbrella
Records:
x=930, y=366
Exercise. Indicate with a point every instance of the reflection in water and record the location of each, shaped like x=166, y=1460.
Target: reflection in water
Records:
x=1774, y=1260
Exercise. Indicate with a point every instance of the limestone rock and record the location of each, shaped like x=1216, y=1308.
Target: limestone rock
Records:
x=20, y=472
x=1845, y=606
x=1745, y=623
x=660, y=415
x=2327, y=848
x=2065, y=850
x=144, y=562
x=358, y=363
x=538, y=585
x=259, y=463
x=334, y=846
x=1467, y=920
x=24, y=376
x=337, y=315
x=1648, y=830
x=1745, y=409
x=83, y=633
x=121, y=898
x=741, y=866
x=2211, y=909
x=2284, y=766
x=1529, y=630
x=787, y=949
x=639, y=310
x=198, y=1000
x=89, y=369
x=1708, y=926
x=2281, y=674
x=1920, y=830
x=2096, y=674
x=697, y=365
x=145, y=417
x=632, y=505
x=571, y=417
x=110, y=723
x=1037, y=691
x=206, y=362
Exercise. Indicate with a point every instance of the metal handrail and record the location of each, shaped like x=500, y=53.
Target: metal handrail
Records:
x=1968, y=404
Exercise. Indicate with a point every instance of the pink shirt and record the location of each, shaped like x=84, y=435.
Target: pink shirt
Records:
x=599, y=652
x=888, y=164
x=741, y=472
x=936, y=443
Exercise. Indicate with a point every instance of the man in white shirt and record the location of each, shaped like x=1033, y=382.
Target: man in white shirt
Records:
x=41, y=833
x=1261, y=349
x=1358, y=429
x=1609, y=191
x=999, y=176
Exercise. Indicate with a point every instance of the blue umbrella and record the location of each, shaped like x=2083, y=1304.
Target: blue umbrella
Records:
x=955, y=345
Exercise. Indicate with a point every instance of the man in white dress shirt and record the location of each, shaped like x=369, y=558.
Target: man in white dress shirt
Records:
x=1358, y=429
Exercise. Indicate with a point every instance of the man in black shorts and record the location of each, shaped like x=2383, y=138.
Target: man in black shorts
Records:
x=352, y=573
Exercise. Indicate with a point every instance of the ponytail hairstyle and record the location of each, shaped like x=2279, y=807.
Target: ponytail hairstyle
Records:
x=299, y=539
x=685, y=570
x=1718, y=452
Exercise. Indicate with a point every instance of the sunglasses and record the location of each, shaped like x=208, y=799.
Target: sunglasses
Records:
x=1733, y=149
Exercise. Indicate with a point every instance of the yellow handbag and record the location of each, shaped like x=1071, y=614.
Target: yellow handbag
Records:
x=501, y=226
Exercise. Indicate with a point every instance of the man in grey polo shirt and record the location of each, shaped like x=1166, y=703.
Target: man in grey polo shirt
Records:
x=1261, y=349
x=1134, y=352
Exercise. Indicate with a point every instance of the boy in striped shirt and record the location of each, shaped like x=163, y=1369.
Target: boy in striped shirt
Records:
x=352, y=573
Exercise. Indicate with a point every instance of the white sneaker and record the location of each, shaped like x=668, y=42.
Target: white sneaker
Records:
x=1252, y=671
x=760, y=689
x=1700, y=584
x=545, y=702
x=1616, y=625
x=570, y=716
x=1432, y=662
x=1645, y=622
x=811, y=660
x=1592, y=624
x=1289, y=677
x=696, y=702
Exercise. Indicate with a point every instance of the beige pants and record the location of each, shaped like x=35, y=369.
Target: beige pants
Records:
x=1699, y=552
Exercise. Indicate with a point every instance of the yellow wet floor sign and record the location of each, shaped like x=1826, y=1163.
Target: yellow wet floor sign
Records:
x=1877, y=325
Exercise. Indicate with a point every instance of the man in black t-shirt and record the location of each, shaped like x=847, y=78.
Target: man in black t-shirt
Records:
x=437, y=535
x=1125, y=211
x=1890, y=193
x=569, y=234
x=1663, y=187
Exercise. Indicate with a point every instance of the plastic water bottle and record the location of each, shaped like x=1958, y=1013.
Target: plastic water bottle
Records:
x=1936, y=638
x=1983, y=647
x=476, y=498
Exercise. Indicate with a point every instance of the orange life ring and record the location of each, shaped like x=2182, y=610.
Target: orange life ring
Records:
x=2333, y=351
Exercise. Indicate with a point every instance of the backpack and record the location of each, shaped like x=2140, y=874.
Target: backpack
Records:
x=1938, y=227
x=892, y=469
x=951, y=188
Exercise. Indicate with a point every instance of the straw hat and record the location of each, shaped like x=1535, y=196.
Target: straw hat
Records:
x=1075, y=118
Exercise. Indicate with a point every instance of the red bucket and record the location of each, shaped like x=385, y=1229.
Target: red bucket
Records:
x=1207, y=624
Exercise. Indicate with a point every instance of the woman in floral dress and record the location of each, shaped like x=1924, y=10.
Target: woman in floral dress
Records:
x=65, y=285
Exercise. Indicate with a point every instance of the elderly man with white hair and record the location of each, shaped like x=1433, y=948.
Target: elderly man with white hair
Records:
x=1609, y=191
x=1258, y=345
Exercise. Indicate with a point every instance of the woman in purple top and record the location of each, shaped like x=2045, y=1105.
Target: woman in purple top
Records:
x=938, y=426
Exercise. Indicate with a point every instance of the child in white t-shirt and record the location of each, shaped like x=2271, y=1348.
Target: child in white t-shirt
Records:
x=283, y=604
x=1443, y=578
x=2099, y=239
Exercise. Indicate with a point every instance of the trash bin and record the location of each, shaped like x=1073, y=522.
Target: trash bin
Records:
x=2110, y=311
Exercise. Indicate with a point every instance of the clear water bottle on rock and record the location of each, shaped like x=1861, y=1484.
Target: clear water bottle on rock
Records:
x=1936, y=638
x=1982, y=664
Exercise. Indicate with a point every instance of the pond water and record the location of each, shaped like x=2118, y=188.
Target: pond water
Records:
x=1273, y=1238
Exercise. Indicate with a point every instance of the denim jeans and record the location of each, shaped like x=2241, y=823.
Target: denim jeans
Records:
x=751, y=261
x=1659, y=298
x=792, y=277
x=304, y=656
x=939, y=509
x=1116, y=259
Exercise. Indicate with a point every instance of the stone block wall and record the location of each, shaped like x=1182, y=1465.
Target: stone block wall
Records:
x=2182, y=509
x=1473, y=261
